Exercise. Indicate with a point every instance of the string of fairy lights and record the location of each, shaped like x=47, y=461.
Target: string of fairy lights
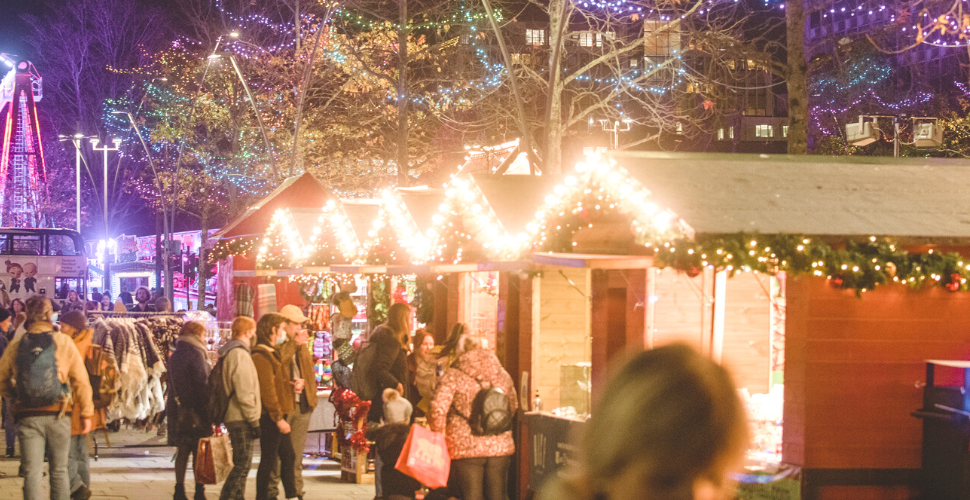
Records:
x=466, y=229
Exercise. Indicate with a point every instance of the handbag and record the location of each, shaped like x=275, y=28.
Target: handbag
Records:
x=213, y=459
x=425, y=457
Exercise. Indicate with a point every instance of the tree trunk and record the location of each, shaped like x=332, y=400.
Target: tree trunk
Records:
x=202, y=275
x=552, y=161
x=402, y=95
x=797, y=79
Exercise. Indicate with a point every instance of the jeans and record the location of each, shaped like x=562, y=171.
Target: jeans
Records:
x=378, y=463
x=9, y=427
x=37, y=436
x=275, y=449
x=481, y=478
x=241, y=437
x=299, y=424
x=78, y=463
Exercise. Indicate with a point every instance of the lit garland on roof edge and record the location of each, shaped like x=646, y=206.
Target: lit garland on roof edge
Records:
x=468, y=229
x=857, y=266
x=601, y=190
x=235, y=246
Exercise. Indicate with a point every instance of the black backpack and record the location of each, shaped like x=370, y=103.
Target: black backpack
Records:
x=491, y=413
x=37, y=382
x=361, y=380
x=218, y=395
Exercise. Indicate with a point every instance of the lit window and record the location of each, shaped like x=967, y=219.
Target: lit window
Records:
x=680, y=128
x=720, y=134
x=784, y=130
x=585, y=38
x=764, y=131
x=600, y=37
x=535, y=37
x=730, y=132
x=633, y=63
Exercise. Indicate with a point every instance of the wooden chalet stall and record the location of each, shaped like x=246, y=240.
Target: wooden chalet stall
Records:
x=239, y=240
x=853, y=353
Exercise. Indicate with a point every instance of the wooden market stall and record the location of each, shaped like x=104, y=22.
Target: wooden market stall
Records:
x=237, y=242
x=853, y=354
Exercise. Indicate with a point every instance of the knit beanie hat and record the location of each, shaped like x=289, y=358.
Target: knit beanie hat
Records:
x=75, y=319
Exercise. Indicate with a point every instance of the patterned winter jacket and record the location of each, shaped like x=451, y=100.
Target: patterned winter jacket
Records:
x=453, y=403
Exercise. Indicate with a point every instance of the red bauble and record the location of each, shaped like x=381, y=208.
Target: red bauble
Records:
x=693, y=272
x=836, y=282
x=954, y=284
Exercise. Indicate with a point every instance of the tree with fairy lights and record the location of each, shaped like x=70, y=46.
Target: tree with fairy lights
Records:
x=665, y=67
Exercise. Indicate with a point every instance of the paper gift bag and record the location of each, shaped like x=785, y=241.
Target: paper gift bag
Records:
x=425, y=457
x=213, y=459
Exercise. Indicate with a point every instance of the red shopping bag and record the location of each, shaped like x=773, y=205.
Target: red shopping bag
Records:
x=425, y=457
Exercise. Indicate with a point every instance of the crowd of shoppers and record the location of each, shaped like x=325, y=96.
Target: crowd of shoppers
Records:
x=695, y=436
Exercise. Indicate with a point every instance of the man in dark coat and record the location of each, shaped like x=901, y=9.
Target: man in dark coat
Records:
x=188, y=401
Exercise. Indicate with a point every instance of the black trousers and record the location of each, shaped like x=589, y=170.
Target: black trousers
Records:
x=481, y=478
x=274, y=448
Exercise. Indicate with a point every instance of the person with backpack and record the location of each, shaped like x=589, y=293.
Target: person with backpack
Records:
x=102, y=372
x=235, y=376
x=41, y=373
x=188, y=401
x=473, y=406
x=276, y=398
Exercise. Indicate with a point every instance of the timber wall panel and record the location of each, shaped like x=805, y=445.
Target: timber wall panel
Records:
x=747, y=331
x=678, y=309
x=563, y=333
x=853, y=367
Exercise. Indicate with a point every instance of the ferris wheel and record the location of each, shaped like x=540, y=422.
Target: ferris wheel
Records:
x=23, y=173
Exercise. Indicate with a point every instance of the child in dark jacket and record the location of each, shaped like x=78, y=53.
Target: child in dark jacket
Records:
x=390, y=438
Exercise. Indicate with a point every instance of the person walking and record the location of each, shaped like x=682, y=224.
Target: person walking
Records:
x=422, y=371
x=125, y=296
x=276, y=398
x=382, y=364
x=668, y=426
x=35, y=374
x=188, y=401
x=9, y=427
x=479, y=463
x=242, y=415
x=75, y=325
x=298, y=371
x=73, y=303
x=105, y=301
x=142, y=296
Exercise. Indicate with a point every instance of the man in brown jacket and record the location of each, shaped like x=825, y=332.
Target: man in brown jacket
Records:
x=43, y=427
x=300, y=373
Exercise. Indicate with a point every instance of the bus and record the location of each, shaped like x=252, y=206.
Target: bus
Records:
x=49, y=262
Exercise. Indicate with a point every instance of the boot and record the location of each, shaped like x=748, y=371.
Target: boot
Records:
x=180, y=492
x=199, y=492
x=10, y=451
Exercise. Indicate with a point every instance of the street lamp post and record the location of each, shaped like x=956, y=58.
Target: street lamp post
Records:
x=615, y=128
x=104, y=149
x=76, y=140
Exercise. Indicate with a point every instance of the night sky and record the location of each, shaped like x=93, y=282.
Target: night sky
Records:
x=12, y=28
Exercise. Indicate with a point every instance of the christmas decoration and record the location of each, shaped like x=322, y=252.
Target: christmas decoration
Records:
x=858, y=266
x=353, y=410
x=601, y=190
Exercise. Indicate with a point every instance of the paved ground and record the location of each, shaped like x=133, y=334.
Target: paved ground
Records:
x=136, y=467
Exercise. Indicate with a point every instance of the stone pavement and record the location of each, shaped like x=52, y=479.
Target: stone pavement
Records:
x=138, y=467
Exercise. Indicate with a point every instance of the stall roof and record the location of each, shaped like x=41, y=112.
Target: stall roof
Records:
x=361, y=213
x=302, y=191
x=815, y=195
x=422, y=204
x=515, y=199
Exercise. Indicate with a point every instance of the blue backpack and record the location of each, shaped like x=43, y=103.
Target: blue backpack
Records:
x=37, y=382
